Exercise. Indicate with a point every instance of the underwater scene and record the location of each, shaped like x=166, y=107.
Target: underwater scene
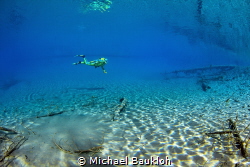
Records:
x=125, y=83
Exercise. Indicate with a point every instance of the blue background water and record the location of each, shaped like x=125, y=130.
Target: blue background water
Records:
x=141, y=39
x=40, y=38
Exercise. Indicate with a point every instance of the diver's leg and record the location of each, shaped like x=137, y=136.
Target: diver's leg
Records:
x=79, y=62
x=80, y=56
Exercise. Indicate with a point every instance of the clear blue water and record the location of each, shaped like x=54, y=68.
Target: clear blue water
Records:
x=142, y=40
x=154, y=36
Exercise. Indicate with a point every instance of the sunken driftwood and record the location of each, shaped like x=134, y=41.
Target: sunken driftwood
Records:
x=7, y=84
x=239, y=143
x=222, y=132
x=10, y=144
x=212, y=72
x=7, y=130
x=91, y=150
x=51, y=114
x=120, y=108
x=13, y=146
x=204, y=85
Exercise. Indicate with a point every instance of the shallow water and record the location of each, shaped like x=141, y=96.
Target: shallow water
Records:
x=162, y=118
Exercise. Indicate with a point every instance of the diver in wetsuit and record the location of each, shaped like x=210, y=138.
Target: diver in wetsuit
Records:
x=97, y=63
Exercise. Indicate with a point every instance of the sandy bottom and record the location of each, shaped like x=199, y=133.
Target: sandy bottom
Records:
x=163, y=118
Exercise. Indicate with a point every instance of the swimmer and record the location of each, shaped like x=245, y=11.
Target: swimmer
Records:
x=96, y=63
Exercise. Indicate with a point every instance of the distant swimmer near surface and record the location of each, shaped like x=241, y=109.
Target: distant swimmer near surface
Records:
x=97, y=63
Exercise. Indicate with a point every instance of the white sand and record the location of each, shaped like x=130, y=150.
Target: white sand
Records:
x=163, y=118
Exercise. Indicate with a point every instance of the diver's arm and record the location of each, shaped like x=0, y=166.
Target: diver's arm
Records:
x=80, y=62
x=104, y=71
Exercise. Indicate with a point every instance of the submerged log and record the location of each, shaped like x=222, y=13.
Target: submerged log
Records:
x=239, y=143
x=7, y=130
x=205, y=87
x=51, y=114
x=14, y=146
x=120, y=108
x=212, y=72
x=222, y=132
x=93, y=149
